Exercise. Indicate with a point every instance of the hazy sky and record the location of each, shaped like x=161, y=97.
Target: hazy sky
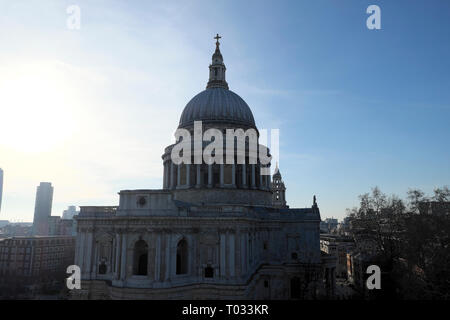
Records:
x=91, y=110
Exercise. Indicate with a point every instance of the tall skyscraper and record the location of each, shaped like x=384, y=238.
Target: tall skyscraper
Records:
x=1, y=188
x=42, y=208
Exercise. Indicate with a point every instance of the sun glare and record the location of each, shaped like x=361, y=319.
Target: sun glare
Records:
x=36, y=106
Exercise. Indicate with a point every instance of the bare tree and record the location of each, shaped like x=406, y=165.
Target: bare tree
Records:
x=414, y=247
x=415, y=197
x=442, y=194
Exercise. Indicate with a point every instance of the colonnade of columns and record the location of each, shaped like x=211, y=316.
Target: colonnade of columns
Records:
x=242, y=176
x=237, y=254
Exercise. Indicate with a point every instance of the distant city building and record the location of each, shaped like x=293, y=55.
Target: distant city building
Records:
x=70, y=212
x=16, y=229
x=61, y=227
x=339, y=246
x=43, y=208
x=34, y=260
x=343, y=227
x=1, y=188
x=328, y=225
x=53, y=225
x=3, y=223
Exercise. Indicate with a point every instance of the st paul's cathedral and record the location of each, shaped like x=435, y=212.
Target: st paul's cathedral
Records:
x=213, y=231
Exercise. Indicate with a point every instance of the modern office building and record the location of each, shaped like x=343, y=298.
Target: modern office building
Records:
x=42, y=209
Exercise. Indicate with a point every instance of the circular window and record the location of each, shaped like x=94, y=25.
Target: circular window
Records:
x=141, y=201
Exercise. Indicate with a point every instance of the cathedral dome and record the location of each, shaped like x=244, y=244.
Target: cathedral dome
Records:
x=217, y=104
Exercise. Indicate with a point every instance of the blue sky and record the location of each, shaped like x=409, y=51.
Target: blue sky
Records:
x=92, y=109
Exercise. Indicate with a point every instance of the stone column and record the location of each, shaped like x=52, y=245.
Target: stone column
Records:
x=260, y=178
x=123, y=260
x=166, y=176
x=222, y=255
x=172, y=175
x=253, y=249
x=158, y=257
x=232, y=257
x=198, y=166
x=233, y=174
x=117, y=259
x=80, y=261
x=168, y=265
x=95, y=262
x=89, y=254
x=188, y=175
x=244, y=176
x=244, y=259
x=221, y=174
x=249, y=251
x=210, y=177
x=253, y=177
x=178, y=175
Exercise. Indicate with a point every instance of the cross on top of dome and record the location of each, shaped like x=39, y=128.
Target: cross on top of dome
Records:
x=217, y=37
x=217, y=69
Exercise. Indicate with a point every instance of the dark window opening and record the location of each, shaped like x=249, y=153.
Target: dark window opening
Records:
x=266, y=284
x=142, y=268
x=142, y=201
x=209, y=272
x=216, y=178
x=102, y=269
x=295, y=288
x=182, y=257
x=140, y=258
x=294, y=255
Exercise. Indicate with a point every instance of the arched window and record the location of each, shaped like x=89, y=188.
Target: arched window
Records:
x=102, y=268
x=182, y=257
x=140, y=258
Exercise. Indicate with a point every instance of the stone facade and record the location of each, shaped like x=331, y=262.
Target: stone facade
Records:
x=211, y=232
